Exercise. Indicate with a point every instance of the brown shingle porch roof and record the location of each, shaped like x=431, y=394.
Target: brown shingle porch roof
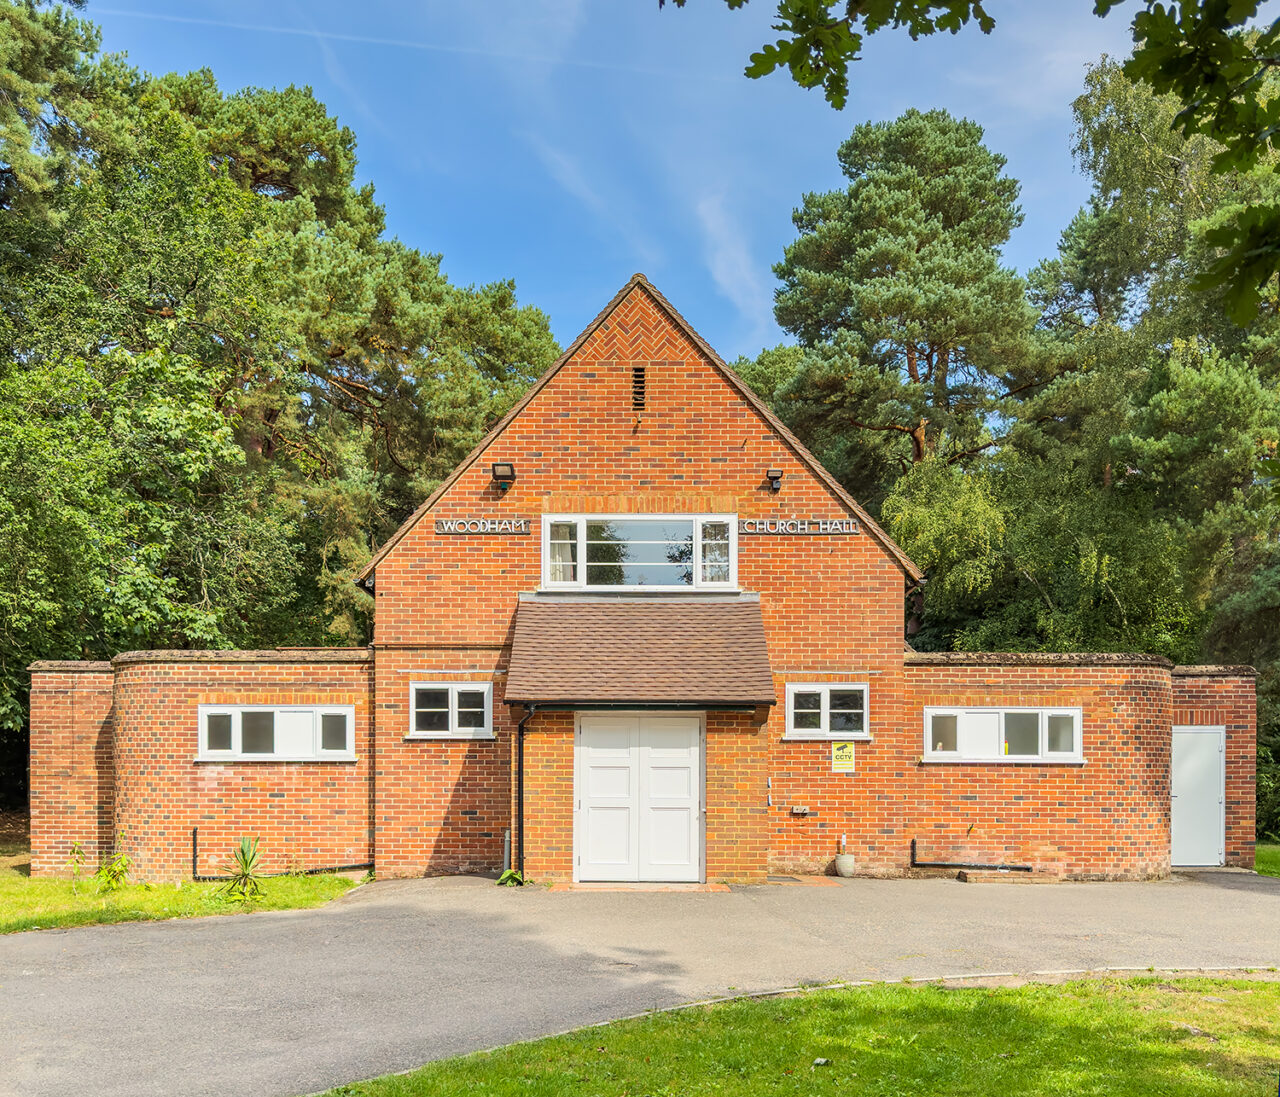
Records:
x=650, y=651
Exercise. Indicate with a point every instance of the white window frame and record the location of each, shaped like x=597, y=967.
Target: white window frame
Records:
x=581, y=520
x=453, y=731
x=236, y=712
x=1045, y=756
x=824, y=733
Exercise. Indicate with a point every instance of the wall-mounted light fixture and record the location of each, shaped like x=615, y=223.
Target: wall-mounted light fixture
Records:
x=504, y=474
x=774, y=476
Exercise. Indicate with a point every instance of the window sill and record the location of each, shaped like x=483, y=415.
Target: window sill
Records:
x=450, y=736
x=1002, y=761
x=258, y=759
x=640, y=592
x=826, y=737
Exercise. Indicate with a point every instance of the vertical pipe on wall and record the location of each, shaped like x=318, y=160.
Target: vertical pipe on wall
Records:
x=530, y=709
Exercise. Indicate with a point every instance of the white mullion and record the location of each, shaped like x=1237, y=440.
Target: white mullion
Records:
x=699, y=574
x=733, y=550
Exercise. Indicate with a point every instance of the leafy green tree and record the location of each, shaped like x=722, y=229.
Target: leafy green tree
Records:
x=914, y=330
x=48, y=84
x=1025, y=555
x=822, y=38
x=1196, y=51
x=221, y=384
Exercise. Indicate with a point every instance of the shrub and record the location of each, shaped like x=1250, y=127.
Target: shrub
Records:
x=113, y=873
x=243, y=878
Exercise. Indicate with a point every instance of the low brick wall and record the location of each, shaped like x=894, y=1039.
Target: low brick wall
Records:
x=72, y=765
x=114, y=746
x=1107, y=818
x=114, y=764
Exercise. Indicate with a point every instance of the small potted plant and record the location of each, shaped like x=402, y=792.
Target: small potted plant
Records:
x=845, y=863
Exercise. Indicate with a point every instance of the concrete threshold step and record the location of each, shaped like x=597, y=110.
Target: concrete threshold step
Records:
x=996, y=876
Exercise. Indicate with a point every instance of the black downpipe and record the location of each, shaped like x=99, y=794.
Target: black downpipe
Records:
x=530, y=709
x=195, y=875
x=963, y=864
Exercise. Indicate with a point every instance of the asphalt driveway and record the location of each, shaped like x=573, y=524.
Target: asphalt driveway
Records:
x=405, y=971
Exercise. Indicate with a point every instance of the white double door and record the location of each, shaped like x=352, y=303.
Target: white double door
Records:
x=638, y=797
x=1199, y=792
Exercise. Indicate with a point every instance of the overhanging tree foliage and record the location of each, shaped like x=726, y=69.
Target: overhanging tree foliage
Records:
x=1196, y=51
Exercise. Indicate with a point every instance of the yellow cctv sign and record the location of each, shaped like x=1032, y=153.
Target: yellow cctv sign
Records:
x=841, y=757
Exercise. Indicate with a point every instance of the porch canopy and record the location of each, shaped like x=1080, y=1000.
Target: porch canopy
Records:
x=676, y=652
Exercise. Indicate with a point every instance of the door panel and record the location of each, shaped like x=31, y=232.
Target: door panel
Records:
x=670, y=811
x=639, y=798
x=608, y=841
x=1198, y=793
x=609, y=782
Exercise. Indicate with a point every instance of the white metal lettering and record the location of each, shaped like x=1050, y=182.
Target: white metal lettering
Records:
x=799, y=527
x=483, y=525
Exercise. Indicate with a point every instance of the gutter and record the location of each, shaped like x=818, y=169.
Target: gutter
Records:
x=647, y=706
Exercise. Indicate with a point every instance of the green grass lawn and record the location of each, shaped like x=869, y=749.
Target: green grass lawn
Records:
x=1121, y=1038
x=1268, y=859
x=44, y=903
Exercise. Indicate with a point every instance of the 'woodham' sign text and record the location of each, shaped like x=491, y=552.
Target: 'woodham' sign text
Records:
x=799, y=526
x=482, y=525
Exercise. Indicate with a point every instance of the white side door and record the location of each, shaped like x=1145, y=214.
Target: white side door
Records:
x=670, y=798
x=607, y=836
x=1199, y=796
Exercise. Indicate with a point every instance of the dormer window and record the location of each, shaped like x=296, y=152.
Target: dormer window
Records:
x=669, y=552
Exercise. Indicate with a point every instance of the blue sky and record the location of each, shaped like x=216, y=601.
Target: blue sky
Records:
x=568, y=143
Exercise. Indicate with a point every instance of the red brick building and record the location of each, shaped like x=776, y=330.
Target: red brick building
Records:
x=643, y=632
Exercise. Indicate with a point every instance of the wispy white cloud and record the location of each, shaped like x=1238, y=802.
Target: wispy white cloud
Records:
x=610, y=213
x=1037, y=76
x=337, y=75
x=512, y=55
x=734, y=270
x=537, y=36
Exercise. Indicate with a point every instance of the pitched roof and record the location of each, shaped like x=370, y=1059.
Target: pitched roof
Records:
x=757, y=404
x=642, y=651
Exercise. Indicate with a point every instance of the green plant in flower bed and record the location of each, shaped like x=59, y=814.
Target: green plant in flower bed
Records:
x=1119, y=1038
x=113, y=873
x=45, y=903
x=1268, y=859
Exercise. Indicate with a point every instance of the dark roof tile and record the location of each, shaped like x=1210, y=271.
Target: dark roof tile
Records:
x=650, y=651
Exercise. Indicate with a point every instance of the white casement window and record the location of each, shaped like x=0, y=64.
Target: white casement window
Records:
x=1003, y=735
x=277, y=733
x=661, y=552
x=451, y=710
x=827, y=710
